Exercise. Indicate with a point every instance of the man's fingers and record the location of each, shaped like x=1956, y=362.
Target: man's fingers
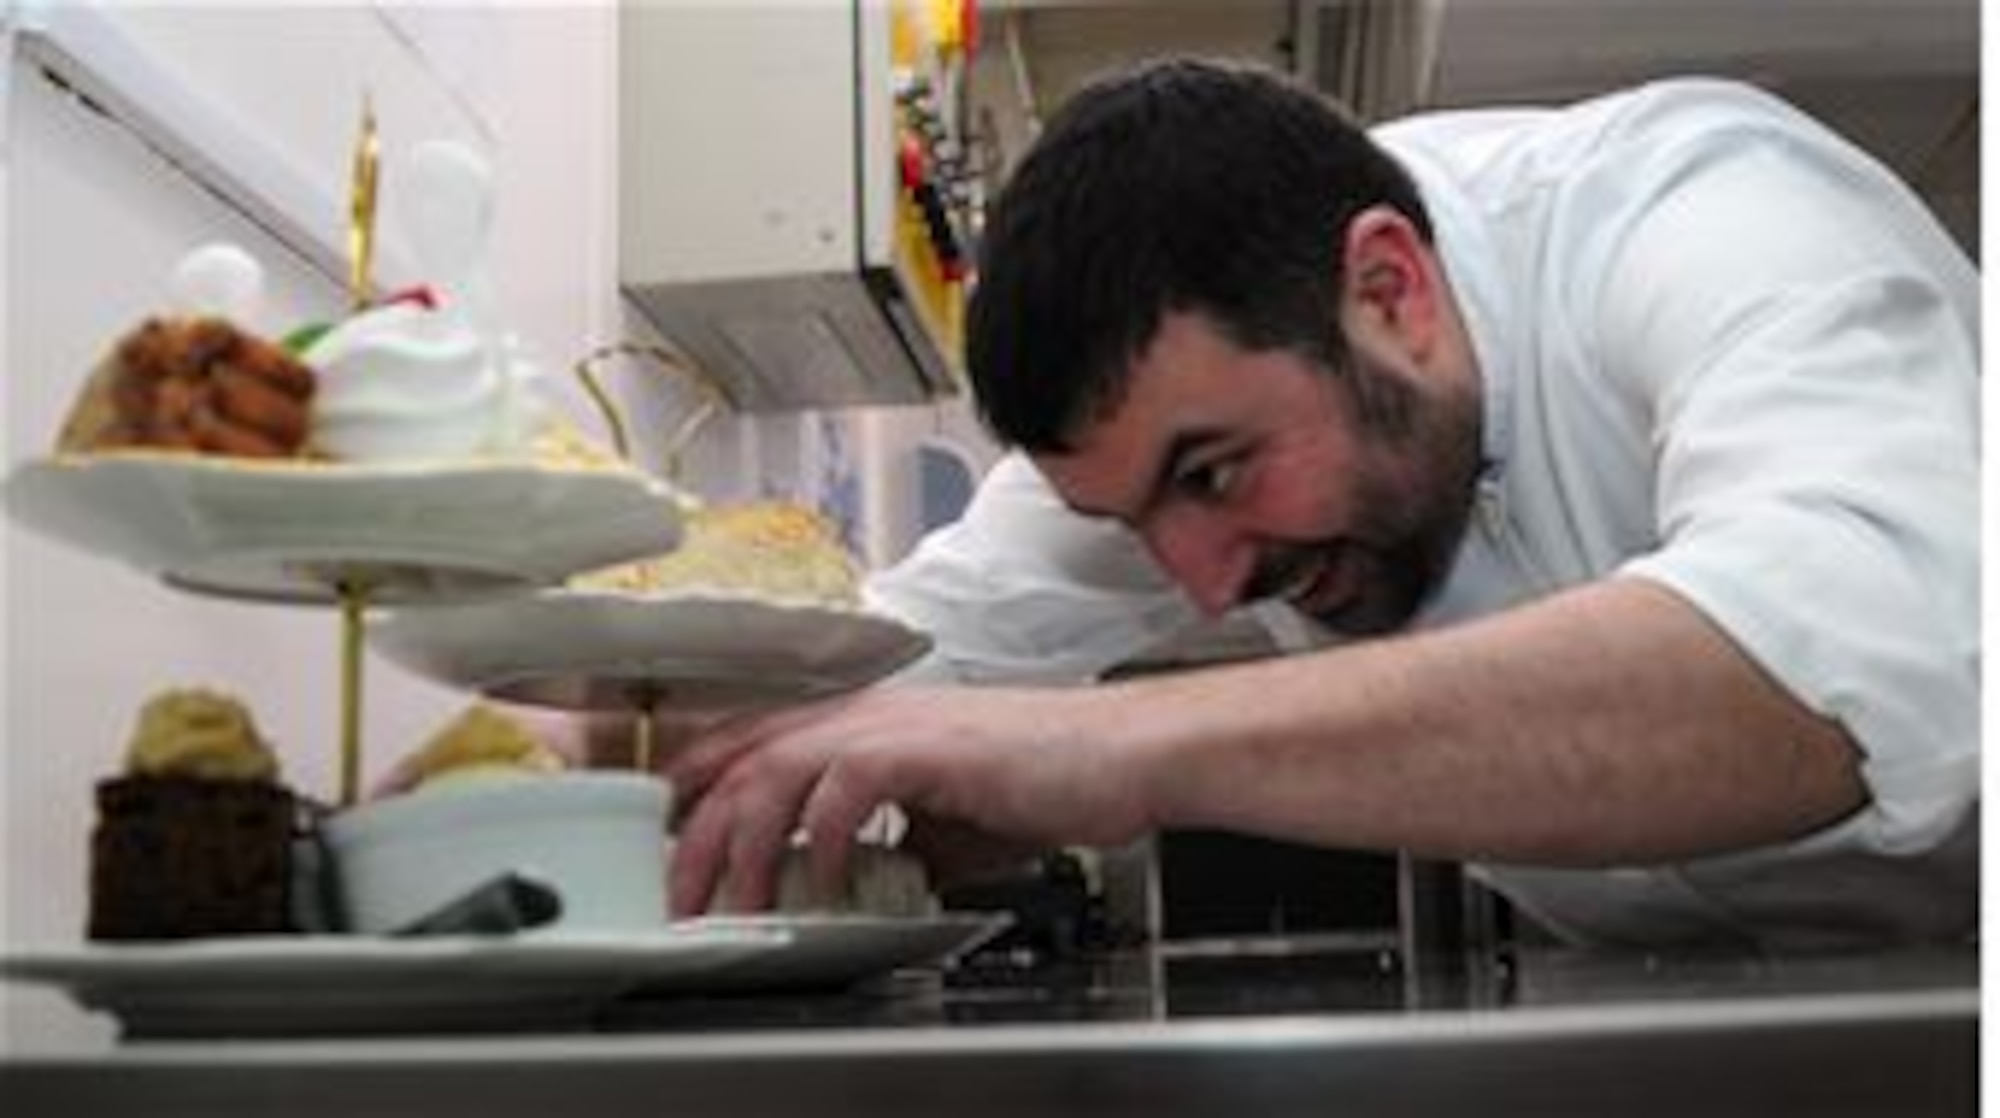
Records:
x=697, y=864
x=756, y=853
x=733, y=842
x=833, y=815
x=744, y=788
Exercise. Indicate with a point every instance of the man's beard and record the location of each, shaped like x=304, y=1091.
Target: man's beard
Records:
x=1409, y=526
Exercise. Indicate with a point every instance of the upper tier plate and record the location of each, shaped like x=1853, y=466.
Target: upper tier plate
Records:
x=294, y=532
x=597, y=650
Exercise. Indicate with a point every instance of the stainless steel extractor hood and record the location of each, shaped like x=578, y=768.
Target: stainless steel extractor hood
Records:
x=768, y=224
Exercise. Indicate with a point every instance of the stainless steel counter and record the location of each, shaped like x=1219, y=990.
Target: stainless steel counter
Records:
x=1142, y=1033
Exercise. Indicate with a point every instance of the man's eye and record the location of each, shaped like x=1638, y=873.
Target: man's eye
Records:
x=1210, y=481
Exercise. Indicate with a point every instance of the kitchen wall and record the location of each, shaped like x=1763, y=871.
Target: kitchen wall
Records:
x=1900, y=77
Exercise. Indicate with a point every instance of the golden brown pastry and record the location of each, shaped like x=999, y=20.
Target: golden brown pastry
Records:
x=194, y=384
x=482, y=739
x=199, y=734
x=770, y=550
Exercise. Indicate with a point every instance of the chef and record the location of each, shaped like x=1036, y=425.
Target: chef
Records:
x=1610, y=474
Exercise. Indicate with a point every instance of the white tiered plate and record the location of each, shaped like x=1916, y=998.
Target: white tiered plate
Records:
x=291, y=985
x=598, y=650
x=291, y=532
x=269, y=986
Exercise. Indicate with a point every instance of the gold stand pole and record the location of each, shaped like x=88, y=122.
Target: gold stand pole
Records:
x=353, y=603
x=363, y=190
x=642, y=740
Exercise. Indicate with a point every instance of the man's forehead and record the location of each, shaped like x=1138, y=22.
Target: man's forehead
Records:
x=1105, y=464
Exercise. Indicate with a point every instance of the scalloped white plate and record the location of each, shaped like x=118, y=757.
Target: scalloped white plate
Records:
x=292, y=532
x=327, y=985
x=269, y=986
x=593, y=650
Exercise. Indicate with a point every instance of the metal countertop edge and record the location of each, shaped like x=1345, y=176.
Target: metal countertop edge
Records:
x=1068, y=1041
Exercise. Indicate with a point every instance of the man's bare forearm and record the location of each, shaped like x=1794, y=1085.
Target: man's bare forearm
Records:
x=1609, y=724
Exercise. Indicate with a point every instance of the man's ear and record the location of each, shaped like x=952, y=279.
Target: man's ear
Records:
x=1390, y=283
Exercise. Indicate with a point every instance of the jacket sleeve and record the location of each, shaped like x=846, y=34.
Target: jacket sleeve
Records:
x=1810, y=358
x=1023, y=590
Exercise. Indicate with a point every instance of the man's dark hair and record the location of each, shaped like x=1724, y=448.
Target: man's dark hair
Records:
x=1182, y=185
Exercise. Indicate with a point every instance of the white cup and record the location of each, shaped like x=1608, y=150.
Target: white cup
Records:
x=597, y=838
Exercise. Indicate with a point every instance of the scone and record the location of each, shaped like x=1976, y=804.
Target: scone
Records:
x=776, y=551
x=480, y=741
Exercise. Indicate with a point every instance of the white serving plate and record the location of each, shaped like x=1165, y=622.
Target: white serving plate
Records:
x=274, y=986
x=290, y=532
x=595, y=650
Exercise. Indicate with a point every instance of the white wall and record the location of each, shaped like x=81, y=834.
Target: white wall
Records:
x=6, y=455
x=93, y=223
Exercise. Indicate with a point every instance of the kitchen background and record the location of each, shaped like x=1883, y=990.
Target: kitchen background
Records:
x=130, y=134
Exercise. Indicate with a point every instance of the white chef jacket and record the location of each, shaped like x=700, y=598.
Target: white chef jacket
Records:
x=1721, y=349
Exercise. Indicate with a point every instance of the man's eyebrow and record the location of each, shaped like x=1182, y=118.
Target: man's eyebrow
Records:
x=1182, y=446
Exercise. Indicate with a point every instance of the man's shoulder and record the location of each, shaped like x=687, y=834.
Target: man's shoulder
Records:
x=1696, y=106
x=1692, y=105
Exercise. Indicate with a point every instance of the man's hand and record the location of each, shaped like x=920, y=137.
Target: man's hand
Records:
x=982, y=773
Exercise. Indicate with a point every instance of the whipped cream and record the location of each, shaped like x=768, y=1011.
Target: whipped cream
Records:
x=408, y=381
x=403, y=382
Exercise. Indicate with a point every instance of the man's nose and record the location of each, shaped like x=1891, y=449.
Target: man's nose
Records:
x=1210, y=561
